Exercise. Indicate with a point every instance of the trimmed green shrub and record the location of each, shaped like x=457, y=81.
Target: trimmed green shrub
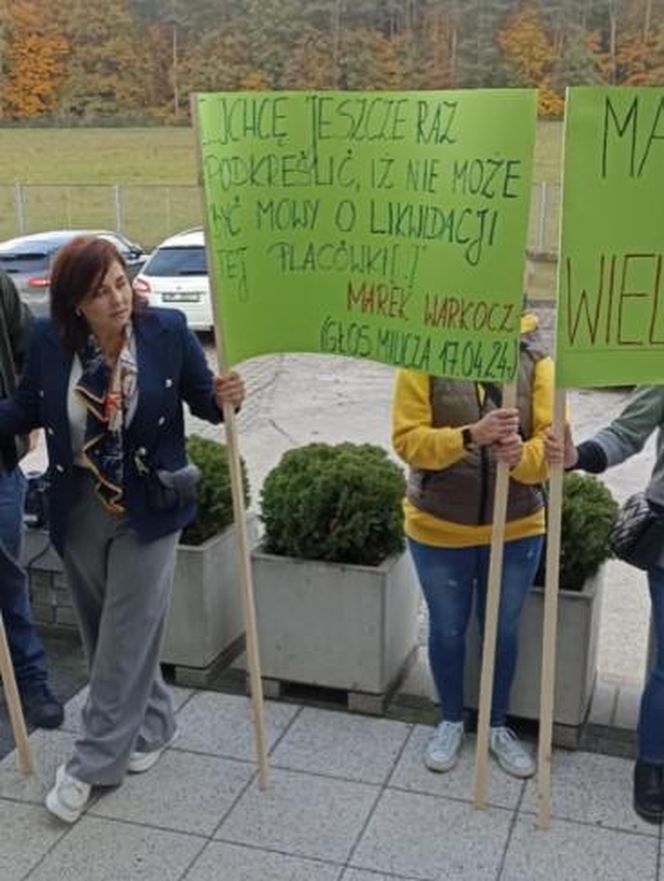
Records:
x=589, y=511
x=339, y=503
x=215, y=500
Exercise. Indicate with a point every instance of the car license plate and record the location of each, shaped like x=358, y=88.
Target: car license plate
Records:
x=181, y=297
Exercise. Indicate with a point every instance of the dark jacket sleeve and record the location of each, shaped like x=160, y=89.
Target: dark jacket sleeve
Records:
x=592, y=458
x=22, y=412
x=197, y=380
x=17, y=320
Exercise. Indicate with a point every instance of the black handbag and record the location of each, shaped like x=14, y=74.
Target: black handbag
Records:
x=637, y=536
x=167, y=490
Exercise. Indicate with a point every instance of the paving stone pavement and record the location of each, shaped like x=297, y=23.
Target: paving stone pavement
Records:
x=348, y=800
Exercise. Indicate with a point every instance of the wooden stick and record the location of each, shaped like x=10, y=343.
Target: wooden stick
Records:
x=244, y=560
x=548, y=680
x=16, y=718
x=247, y=586
x=491, y=618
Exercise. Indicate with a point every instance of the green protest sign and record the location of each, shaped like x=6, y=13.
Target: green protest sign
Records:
x=389, y=226
x=610, y=328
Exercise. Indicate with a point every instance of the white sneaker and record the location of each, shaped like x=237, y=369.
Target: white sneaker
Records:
x=139, y=761
x=510, y=754
x=442, y=752
x=68, y=797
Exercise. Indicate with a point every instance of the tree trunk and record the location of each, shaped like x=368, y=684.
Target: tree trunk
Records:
x=174, y=70
x=336, y=39
x=613, y=25
x=454, y=50
x=647, y=20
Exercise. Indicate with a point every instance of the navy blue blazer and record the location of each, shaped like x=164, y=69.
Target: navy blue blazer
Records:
x=171, y=369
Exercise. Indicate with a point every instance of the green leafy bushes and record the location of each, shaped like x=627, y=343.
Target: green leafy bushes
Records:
x=215, y=501
x=339, y=503
x=589, y=511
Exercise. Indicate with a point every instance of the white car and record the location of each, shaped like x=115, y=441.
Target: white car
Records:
x=176, y=275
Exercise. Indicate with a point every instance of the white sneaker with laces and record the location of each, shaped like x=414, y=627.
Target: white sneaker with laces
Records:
x=140, y=761
x=69, y=796
x=509, y=752
x=442, y=752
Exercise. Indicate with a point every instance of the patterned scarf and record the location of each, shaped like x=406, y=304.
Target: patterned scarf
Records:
x=108, y=394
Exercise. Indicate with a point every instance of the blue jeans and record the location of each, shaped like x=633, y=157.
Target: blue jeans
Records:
x=651, y=717
x=448, y=577
x=25, y=646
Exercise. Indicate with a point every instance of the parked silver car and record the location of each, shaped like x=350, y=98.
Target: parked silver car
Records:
x=28, y=261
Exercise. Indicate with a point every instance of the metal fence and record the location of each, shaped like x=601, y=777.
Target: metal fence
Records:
x=149, y=213
x=145, y=213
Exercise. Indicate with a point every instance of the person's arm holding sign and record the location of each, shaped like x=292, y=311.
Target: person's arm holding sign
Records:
x=637, y=538
x=422, y=444
x=526, y=458
x=623, y=438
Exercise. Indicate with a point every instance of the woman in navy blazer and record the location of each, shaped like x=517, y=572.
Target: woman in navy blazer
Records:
x=106, y=378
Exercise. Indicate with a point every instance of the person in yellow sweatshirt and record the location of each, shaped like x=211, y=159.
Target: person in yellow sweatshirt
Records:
x=452, y=433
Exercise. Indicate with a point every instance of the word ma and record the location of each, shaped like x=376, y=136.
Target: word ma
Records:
x=636, y=136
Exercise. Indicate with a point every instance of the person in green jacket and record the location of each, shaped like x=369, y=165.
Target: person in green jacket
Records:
x=642, y=415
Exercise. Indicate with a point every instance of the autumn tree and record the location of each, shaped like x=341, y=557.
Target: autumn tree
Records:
x=638, y=43
x=530, y=56
x=368, y=60
x=34, y=61
x=108, y=72
x=142, y=58
x=480, y=59
x=311, y=62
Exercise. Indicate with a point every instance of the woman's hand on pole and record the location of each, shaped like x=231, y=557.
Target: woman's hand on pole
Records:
x=496, y=426
x=560, y=451
x=229, y=389
x=508, y=450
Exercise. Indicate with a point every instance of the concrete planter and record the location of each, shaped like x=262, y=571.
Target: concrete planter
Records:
x=205, y=626
x=335, y=625
x=49, y=593
x=205, y=622
x=576, y=655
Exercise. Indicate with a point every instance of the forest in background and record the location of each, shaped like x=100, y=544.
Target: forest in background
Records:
x=68, y=62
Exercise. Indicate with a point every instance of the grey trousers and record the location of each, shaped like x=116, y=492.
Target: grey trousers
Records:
x=121, y=591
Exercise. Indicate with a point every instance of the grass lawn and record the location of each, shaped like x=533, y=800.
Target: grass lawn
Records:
x=151, y=156
x=98, y=156
x=548, y=152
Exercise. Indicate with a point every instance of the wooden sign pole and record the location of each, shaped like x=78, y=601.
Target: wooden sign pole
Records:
x=239, y=512
x=554, y=517
x=491, y=619
x=14, y=708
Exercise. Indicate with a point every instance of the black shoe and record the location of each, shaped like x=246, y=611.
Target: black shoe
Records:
x=41, y=708
x=649, y=791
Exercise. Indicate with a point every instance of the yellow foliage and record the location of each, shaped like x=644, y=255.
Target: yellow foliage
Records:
x=310, y=65
x=638, y=58
x=255, y=81
x=550, y=105
x=526, y=45
x=35, y=61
